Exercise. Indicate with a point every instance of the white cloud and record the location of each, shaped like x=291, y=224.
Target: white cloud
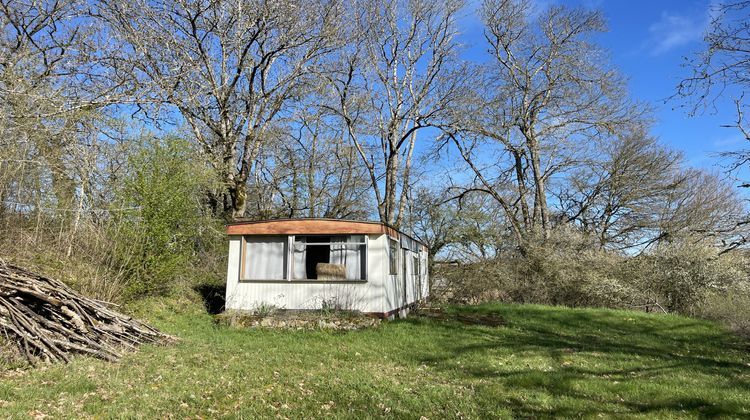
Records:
x=674, y=30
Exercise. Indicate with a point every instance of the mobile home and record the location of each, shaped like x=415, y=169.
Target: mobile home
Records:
x=300, y=264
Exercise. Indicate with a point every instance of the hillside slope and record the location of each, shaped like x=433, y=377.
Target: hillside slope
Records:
x=543, y=361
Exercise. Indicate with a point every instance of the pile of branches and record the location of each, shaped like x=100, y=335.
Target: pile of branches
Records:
x=49, y=321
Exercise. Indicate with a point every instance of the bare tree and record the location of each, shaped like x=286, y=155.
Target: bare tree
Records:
x=547, y=99
x=397, y=79
x=705, y=208
x=32, y=48
x=723, y=68
x=638, y=194
x=481, y=231
x=230, y=69
x=722, y=72
x=49, y=112
x=435, y=221
x=312, y=170
x=619, y=197
x=50, y=58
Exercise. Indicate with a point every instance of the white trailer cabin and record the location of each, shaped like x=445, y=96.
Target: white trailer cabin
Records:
x=307, y=264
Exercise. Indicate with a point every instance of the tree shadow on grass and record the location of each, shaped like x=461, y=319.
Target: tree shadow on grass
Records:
x=627, y=355
x=213, y=297
x=489, y=320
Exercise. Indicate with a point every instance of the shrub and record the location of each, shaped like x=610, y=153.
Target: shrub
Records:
x=730, y=306
x=565, y=270
x=679, y=276
x=478, y=282
x=164, y=241
x=569, y=270
x=135, y=228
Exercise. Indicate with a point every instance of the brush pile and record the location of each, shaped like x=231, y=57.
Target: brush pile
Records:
x=49, y=321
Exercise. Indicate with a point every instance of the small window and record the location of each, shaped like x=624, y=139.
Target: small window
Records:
x=265, y=258
x=393, y=257
x=329, y=258
x=415, y=265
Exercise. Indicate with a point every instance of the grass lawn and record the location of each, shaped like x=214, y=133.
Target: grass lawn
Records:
x=544, y=361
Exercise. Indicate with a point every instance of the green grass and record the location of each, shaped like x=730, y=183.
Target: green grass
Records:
x=544, y=361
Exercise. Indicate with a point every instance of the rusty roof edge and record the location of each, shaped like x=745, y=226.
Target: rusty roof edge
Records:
x=252, y=222
x=289, y=219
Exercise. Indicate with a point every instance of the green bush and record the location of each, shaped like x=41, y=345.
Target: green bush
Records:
x=171, y=234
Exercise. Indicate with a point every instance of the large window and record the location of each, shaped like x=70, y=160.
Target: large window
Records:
x=264, y=258
x=329, y=258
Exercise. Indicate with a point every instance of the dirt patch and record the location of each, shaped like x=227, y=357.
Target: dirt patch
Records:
x=467, y=319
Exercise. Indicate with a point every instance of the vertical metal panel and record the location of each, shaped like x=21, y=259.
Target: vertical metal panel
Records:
x=233, y=272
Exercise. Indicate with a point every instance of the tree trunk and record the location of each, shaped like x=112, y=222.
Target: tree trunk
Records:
x=540, y=196
x=391, y=179
x=521, y=182
x=239, y=200
x=311, y=192
x=406, y=181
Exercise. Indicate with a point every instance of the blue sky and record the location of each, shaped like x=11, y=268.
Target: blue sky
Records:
x=648, y=41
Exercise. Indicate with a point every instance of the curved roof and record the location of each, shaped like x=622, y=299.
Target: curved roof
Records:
x=311, y=227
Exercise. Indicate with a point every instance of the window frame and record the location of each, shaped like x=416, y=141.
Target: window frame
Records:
x=289, y=256
x=364, y=244
x=243, y=260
